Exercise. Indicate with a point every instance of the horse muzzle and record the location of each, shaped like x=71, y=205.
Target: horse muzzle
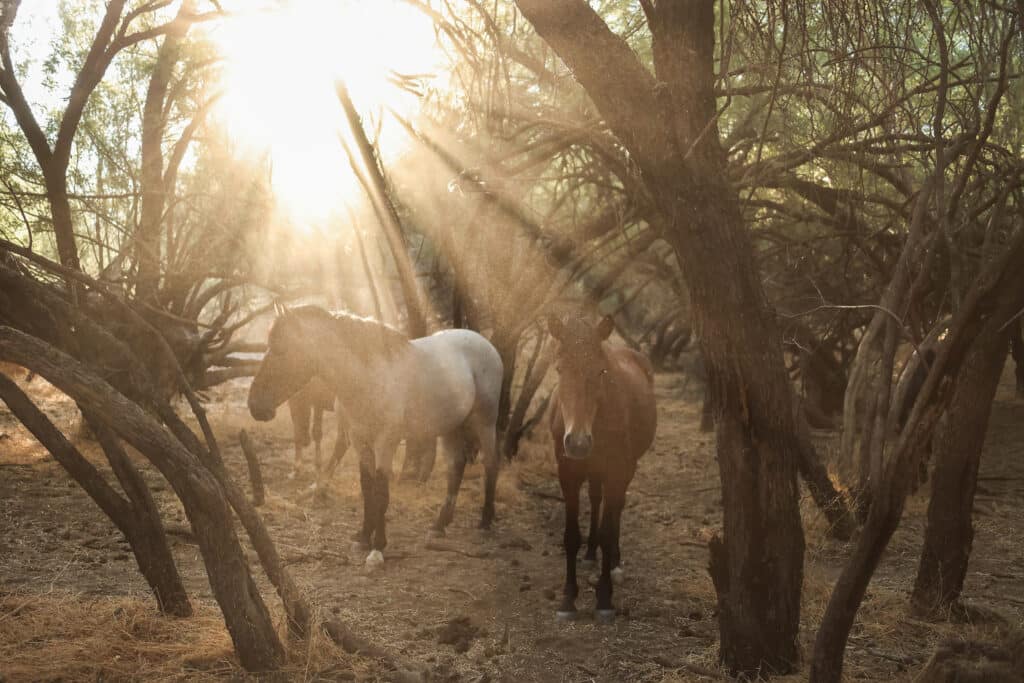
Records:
x=261, y=413
x=577, y=445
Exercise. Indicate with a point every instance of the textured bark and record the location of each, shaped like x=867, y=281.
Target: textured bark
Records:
x=154, y=189
x=245, y=614
x=252, y=461
x=136, y=518
x=145, y=530
x=994, y=296
x=956, y=451
x=668, y=126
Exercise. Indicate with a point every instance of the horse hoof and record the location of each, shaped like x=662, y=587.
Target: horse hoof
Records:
x=618, y=576
x=566, y=615
x=604, y=616
x=586, y=564
x=375, y=560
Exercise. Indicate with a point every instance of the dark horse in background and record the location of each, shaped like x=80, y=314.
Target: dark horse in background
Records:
x=603, y=419
x=389, y=388
x=306, y=408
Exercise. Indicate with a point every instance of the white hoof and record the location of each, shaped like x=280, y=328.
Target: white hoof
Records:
x=566, y=615
x=618, y=576
x=374, y=561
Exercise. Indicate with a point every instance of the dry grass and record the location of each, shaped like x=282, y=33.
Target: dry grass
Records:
x=75, y=637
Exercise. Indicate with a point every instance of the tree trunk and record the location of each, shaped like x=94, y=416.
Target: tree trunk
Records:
x=146, y=531
x=995, y=295
x=154, y=190
x=245, y=614
x=137, y=518
x=669, y=127
x=956, y=450
x=1017, y=348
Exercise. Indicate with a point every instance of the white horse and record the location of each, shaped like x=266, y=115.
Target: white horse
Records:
x=390, y=388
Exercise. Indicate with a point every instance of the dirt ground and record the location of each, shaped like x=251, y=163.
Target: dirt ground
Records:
x=475, y=606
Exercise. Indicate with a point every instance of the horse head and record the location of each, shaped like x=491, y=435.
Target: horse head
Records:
x=583, y=369
x=287, y=366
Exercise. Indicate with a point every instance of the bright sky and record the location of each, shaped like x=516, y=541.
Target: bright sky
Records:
x=282, y=62
x=282, y=58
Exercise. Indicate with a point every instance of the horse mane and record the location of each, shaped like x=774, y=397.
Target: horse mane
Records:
x=365, y=337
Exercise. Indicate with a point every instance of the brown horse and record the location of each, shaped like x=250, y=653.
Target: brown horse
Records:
x=307, y=408
x=603, y=419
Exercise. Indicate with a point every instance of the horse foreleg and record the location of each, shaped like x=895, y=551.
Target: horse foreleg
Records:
x=367, y=466
x=571, y=483
x=455, y=450
x=614, y=501
x=384, y=453
x=299, y=410
x=594, y=486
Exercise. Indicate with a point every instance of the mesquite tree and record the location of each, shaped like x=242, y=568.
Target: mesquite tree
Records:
x=668, y=123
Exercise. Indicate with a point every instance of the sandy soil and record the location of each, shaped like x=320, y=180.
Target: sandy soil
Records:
x=476, y=606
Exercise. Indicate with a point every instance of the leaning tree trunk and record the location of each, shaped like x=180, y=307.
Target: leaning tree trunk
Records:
x=245, y=614
x=136, y=517
x=956, y=451
x=418, y=453
x=668, y=125
x=994, y=296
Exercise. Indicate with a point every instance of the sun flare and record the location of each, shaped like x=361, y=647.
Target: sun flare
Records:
x=281, y=63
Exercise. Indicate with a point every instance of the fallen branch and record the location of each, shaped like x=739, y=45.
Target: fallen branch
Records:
x=255, y=474
x=445, y=548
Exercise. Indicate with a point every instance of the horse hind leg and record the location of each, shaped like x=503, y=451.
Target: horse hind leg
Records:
x=487, y=439
x=456, y=451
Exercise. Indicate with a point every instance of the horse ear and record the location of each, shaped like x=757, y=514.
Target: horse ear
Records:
x=605, y=327
x=555, y=326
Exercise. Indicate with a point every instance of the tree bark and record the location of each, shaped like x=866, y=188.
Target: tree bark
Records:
x=993, y=298
x=154, y=189
x=252, y=461
x=146, y=533
x=136, y=518
x=1017, y=349
x=956, y=451
x=668, y=125
x=245, y=614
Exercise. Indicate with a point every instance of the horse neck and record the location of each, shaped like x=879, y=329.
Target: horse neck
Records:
x=612, y=398
x=369, y=379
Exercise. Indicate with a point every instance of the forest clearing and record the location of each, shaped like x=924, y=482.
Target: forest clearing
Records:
x=538, y=340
